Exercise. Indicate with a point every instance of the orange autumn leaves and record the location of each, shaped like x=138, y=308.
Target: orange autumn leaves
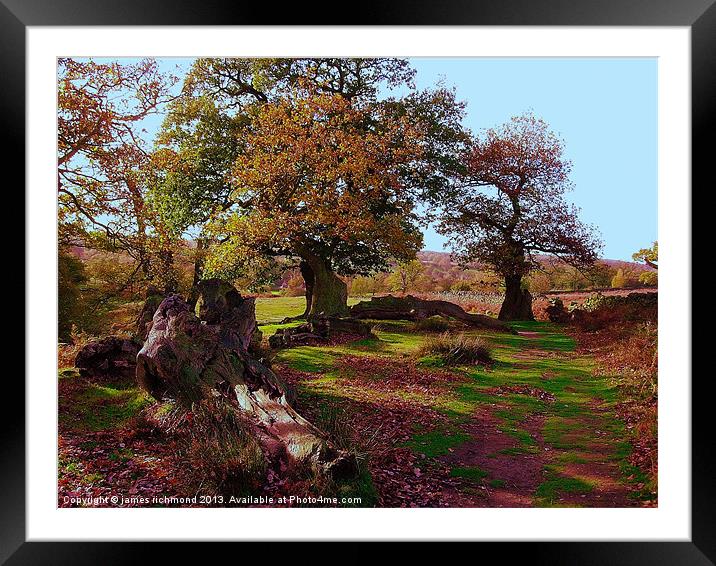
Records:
x=99, y=103
x=324, y=169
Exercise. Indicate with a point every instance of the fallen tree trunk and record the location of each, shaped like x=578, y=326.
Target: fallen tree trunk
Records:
x=413, y=308
x=189, y=359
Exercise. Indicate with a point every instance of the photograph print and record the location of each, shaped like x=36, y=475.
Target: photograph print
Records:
x=357, y=282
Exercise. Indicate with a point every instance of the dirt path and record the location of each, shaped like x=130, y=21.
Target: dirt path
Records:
x=514, y=475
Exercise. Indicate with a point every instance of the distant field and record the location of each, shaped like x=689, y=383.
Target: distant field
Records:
x=271, y=310
x=275, y=309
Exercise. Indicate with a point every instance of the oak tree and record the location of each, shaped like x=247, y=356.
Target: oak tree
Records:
x=306, y=159
x=323, y=177
x=510, y=207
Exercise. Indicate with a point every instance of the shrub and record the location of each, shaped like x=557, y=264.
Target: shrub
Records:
x=649, y=278
x=457, y=349
x=627, y=352
x=599, y=312
x=461, y=287
x=634, y=359
x=432, y=324
x=539, y=308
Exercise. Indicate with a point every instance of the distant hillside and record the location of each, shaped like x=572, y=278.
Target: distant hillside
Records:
x=440, y=273
x=443, y=260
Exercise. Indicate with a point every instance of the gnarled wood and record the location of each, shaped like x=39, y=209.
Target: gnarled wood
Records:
x=329, y=293
x=152, y=301
x=413, y=308
x=189, y=359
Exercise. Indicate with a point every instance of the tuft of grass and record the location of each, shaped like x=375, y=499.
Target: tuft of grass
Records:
x=457, y=349
x=360, y=490
x=225, y=456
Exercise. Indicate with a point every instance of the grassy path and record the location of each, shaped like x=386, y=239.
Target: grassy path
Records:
x=536, y=429
x=547, y=437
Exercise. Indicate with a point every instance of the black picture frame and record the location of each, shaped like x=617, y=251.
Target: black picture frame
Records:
x=699, y=15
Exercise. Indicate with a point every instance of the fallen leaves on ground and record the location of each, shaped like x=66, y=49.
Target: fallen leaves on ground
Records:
x=122, y=463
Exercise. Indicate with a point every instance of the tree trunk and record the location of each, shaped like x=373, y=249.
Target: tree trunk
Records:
x=308, y=280
x=198, y=272
x=168, y=272
x=518, y=302
x=330, y=292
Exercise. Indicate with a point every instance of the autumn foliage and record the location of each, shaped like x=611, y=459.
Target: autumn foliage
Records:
x=322, y=177
x=510, y=206
x=105, y=168
x=307, y=160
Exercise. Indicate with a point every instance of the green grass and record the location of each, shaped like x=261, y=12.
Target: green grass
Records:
x=522, y=436
x=545, y=360
x=571, y=458
x=542, y=360
x=270, y=329
x=308, y=358
x=437, y=442
x=121, y=455
x=564, y=434
x=549, y=491
x=471, y=473
x=275, y=309
x=361, y=487
x=95, y=407
x=397, y=337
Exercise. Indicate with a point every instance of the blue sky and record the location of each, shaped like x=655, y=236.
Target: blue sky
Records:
x=605, y=109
